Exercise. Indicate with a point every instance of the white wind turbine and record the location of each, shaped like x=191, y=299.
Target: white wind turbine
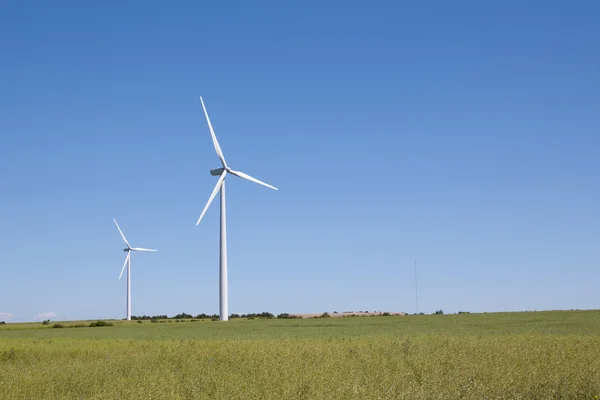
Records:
x=127, y=263
x=222, y=172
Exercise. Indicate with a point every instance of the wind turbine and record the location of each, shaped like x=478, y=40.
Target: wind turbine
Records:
x=127, y=263
x=222, y=173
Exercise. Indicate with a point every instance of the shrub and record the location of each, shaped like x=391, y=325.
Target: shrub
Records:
x=325, y=315
x=46, y=322
x=77, y=326
x=58, y=326
x=214, y=319
x=139, y=321
x=386, y=314
x=154, y=320
x=194, y=320
x=100, y=323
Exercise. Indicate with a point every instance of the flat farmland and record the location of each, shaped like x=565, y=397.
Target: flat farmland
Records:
x=529, y=355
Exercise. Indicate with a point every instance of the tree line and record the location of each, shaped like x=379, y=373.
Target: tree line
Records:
x=264, y=315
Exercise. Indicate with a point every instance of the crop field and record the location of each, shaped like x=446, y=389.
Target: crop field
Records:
x=532, y=355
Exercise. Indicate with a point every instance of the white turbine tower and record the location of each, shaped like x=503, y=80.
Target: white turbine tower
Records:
x=222, y=172
x=127, y=263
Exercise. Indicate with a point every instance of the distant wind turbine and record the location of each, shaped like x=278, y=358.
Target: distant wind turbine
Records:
x=127, y=263
x=221, y=173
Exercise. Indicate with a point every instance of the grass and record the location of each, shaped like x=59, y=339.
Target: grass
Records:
x=535, y=355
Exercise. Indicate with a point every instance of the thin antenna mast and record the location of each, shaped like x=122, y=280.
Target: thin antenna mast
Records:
x=416, y=289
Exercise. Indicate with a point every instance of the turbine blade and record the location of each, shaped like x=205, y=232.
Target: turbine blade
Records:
x=214, y=137
x=121, y=232
x=248, y=177
x=212, y=196
x=141, y=249
x=124, y=265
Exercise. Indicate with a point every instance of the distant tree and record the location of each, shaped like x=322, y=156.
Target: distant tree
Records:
x=265, y=314
x=287, y=316
x=234, y=316
x=439, y=312
x=46, y=322
x=2, y=323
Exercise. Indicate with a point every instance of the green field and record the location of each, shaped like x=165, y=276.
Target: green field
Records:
x=534, y=355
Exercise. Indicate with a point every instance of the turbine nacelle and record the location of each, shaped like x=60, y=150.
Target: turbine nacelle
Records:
x=217, y=171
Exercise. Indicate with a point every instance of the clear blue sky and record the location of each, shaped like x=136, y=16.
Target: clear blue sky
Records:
x=464, y=135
